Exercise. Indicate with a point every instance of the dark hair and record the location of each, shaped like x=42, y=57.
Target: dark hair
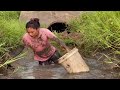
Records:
x=33, y=23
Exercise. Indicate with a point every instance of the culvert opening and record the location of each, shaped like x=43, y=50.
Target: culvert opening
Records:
x=58, y=27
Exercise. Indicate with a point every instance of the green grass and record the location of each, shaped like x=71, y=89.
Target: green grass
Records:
x=11, y=31
x=9, y=15
x=100, y=30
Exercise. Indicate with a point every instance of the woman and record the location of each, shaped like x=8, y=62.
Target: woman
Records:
x=38, y=40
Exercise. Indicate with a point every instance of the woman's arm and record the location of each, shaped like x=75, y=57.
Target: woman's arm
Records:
x=53, y=37
x=25, y=45
x=60, y=42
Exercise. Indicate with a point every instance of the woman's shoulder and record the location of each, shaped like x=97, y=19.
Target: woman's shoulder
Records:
x=26, y=36
x=43, y=29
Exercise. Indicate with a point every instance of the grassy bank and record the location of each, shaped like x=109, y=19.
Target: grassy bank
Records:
x=100, y=31
x=11, y=31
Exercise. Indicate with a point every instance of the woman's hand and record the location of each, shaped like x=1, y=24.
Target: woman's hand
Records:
x=61, y=43
x=66, y=48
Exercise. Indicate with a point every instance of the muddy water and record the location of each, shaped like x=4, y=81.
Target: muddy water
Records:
x=27, y=68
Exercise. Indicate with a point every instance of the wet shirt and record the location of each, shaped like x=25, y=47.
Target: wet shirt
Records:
x=41, y=46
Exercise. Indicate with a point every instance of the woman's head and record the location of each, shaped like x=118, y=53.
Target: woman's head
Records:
x=32, y=27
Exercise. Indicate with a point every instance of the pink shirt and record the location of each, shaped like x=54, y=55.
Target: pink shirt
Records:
x=40, y=44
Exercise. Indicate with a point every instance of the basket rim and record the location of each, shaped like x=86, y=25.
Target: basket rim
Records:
x=67, y=55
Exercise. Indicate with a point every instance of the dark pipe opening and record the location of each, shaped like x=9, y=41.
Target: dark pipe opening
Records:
x=58, y=27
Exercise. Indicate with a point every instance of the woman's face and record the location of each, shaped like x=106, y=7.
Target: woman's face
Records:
x=33, y=32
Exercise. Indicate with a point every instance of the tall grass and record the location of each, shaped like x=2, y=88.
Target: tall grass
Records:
x=11, y=31
x=9, y=15
x=100, y=30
